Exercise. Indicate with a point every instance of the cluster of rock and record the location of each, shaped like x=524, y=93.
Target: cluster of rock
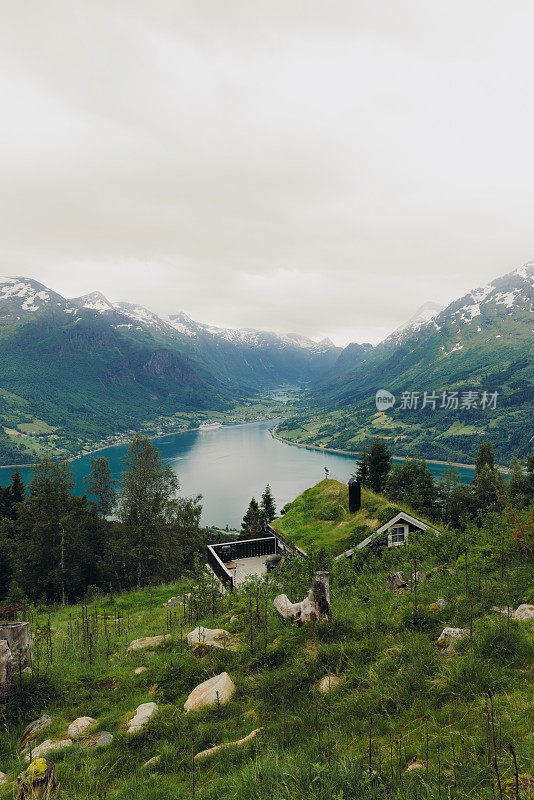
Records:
x=314, y=608
x=77, y=731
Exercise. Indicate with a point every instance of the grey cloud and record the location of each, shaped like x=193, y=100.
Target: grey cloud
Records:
x=310, y=166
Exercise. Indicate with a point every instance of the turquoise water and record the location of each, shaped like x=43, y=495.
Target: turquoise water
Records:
x=229, y=465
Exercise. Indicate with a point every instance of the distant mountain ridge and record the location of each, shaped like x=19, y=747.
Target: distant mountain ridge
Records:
x=90, y=367
x=480, y=342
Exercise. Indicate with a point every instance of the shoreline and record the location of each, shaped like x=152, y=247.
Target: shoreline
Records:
x=274, y=435
x=355, y=453
x=122, y=444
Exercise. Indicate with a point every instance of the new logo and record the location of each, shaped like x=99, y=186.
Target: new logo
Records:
x=384, y=400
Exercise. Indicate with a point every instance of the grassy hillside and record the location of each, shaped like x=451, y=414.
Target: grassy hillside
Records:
x=320, y=517
x=394, y=698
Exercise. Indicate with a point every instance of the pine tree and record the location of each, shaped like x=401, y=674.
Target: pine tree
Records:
x=362, y=467
x=268, y=507
x=379, y=465
x=100, y=484
x=18, y=490
x=252, y=524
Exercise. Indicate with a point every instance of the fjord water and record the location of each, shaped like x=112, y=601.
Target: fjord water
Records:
x=231, y=464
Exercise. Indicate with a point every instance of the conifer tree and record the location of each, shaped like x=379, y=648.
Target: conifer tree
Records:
x=252, y=524
x=379, y=465
x=268, y=507
x=18, y=490
x=484, y=458
x=362, y=467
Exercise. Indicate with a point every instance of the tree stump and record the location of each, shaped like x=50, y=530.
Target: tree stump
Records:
x=314, y=607
x=6, y=668
x=41, y=786
x=17, y=635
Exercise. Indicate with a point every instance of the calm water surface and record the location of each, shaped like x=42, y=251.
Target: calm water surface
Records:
x=229, y=465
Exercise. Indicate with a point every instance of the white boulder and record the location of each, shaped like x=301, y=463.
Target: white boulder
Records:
x=524, y=612
x=48, y=746
x=205, y=694
x=143, y=714
x=3, y=778
x=147, y=642
x=211, y=637
x=448, y=638
x=79, y=726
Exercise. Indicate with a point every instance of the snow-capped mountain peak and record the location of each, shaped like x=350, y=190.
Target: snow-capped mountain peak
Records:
x=27, y=295
x=95, y=301
x=424, y=314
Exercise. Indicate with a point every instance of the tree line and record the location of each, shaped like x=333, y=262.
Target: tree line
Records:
x=258, y=515
x=55, y=546
x=447, y=499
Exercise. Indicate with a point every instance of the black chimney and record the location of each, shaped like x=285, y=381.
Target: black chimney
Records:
x=355, y=495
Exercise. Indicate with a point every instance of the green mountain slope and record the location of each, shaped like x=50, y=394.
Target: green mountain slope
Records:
x=482, y=343
x=85, y=369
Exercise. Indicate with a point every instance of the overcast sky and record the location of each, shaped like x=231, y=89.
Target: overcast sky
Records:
x=320, y=167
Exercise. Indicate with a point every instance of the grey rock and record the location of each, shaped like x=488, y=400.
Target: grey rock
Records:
x=79, y=726
x=100, y=739
x=449, y=636
x=397, y=581
x=524, y=612
x=35, y=728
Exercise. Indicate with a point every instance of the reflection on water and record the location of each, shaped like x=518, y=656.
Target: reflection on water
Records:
x=231, y=464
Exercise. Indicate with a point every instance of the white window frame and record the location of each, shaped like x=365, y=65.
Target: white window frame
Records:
x=391, y=534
